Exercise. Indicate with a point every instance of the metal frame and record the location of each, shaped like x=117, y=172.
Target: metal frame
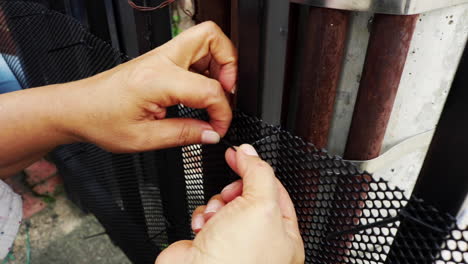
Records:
x=443, y=179
x=274, y=59
x=154, y=28
x=125, y=19
x=394, y=7
x=250, y=24
x=128, y=30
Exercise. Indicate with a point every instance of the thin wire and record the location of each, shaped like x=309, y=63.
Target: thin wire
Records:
x=150, y=8
x=363, y=227
x=155, y=236
x=228, y=144
x=95, y=235
x=402, y=214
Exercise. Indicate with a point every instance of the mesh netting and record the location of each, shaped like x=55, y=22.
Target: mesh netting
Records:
x=345, y=215
x=144, y=200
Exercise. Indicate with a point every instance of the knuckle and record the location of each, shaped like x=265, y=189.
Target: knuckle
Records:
x=199, y=209
x=210, y=26
x=259, y=166
x=211, y=31
x=214, y=90
x=263, y=165
x=184, y=136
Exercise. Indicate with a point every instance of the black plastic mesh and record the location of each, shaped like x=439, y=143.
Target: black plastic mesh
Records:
x=345, y=215
x=144, y=200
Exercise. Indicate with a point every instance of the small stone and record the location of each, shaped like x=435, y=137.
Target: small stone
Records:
x=39, y=172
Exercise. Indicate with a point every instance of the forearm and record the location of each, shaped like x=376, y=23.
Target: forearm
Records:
x=13, y=168
x=31, y=125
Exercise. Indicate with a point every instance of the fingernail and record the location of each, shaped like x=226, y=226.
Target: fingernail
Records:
x=234, y=89
x=210, y=137
x=213, y=206
x=197, y=222
x=249, y=150
x=231, y=186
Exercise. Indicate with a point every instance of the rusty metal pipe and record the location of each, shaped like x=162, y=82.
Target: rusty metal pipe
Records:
x=386, y=56
x=321, y=67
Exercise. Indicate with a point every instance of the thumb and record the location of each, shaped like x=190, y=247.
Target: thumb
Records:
x=177, y=253
x=174, y=132
x=258, y=176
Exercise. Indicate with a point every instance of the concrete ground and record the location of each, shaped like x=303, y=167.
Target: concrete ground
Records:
x=58, y=235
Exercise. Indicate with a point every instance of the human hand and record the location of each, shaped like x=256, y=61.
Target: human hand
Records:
x=123, y=109
x=252, y=221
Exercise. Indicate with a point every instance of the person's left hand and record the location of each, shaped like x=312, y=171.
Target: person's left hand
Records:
x=124, y=109
x=252, y=221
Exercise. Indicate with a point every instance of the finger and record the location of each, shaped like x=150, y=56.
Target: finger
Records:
x=259, y=180
x=231, y=158
x=201, y=93
x=174, y=132
x=198, y=220
x=232, y=191
x=207, y=65
x=199, y=41
x=214, y=205
x=285, y=203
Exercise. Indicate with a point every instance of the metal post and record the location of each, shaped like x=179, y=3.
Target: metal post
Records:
x=321, y=63
x=386, y=55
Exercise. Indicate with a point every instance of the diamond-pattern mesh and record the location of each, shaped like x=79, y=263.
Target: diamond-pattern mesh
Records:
x=144, y=200
x=193, y=171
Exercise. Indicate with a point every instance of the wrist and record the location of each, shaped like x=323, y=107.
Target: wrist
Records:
x=82, y=104
x=64, y=112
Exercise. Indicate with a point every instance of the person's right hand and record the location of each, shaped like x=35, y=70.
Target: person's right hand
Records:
x=124, y=109
x=252, y=221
